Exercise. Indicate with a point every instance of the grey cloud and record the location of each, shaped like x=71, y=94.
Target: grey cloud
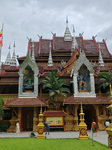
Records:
x=24, y=18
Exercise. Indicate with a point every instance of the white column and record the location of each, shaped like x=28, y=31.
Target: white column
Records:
x=75, y=84
x=35, y=84
x=20, y=84
x=92, y=85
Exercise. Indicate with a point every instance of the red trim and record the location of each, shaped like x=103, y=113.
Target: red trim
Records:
x=53, y=42
x=28, y=46
x=85, y=97
x=40, y=45
x=107, y=48
x=96, y=45
x=83, y=42
x=42, y=73
x=25, y=98
x=49, y=67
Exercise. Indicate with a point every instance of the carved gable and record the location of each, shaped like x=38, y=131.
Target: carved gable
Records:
x=28, y=78
x=83, y=77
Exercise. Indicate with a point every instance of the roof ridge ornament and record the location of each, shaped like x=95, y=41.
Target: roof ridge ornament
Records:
x=67, y=34
x=13, y=60
x=100, y=61
x=8, y=59
x=33, y=54
x=50, y=60
x=74, y=42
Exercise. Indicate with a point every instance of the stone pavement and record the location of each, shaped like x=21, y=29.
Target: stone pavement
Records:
x=102, y=136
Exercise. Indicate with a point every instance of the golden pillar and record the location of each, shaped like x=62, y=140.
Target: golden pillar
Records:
x=76, y=127
x=40, y=126
x=35, y=120
x=13, y=121
x=19, y=116
x=109, y=129
x=82, y=126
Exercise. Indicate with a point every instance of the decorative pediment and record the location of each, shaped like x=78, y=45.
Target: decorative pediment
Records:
x=28, y=78
x=83, y=77
x=82, y=61
x=29, y=62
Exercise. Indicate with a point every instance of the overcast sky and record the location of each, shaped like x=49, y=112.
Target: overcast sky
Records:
x=27, y=18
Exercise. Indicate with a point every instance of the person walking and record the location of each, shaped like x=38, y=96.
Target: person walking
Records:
x=17, y=127
x=94, y=128
x=47, y=128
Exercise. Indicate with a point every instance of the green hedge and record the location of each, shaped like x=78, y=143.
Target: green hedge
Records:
x=4, y=125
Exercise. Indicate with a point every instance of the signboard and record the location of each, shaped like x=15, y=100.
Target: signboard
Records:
x=54, y=121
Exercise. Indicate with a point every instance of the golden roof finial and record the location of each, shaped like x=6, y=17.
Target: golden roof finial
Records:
x=110, y=94
x=110, y=90
x=41, y=109
x=81, y=108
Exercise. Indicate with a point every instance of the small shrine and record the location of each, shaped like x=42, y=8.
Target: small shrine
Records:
x=82, y=126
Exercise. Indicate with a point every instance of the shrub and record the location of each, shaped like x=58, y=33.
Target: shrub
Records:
x=4, y=125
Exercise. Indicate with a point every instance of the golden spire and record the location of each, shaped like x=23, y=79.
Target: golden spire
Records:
x=81, y=108
x=41, y=109
x=110, y=106
x=110, y=93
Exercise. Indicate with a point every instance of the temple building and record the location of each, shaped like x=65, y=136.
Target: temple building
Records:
x=79, y=61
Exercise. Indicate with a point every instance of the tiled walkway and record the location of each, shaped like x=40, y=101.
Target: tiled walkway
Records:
x=102, y=136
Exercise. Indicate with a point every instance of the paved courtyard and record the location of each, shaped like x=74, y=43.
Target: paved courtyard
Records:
x=102, y=136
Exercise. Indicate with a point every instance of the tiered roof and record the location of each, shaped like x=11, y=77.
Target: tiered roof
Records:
x=86, y=100
x=26, y=102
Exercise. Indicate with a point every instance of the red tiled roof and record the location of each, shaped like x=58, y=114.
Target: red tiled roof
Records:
x=36, y=48
x=60, y=44
x=104, y=50
x=44, y=46
x=72, y=58
x=9, y=74
x=9, y=80
x=91, y=47
x=101, y=69
x=54, y=113
x=86, y=100
x=47, y=68
x=26, y=102
x=11, y=68
x=44, y=73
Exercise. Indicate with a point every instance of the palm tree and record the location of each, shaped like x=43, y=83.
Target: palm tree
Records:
x=55, y=85
x=105, y=79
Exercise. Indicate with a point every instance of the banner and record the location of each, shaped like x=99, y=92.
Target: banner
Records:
x=1, y=38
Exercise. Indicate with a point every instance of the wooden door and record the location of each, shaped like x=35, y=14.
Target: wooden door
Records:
x=27, y=119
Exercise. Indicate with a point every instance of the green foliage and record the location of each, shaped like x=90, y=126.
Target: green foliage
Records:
x=55, y=85
x=105, y=79
x=4, y=125
x=49, y=144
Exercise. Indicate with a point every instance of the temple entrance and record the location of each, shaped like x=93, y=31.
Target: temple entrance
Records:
x=27, y=119
x=90, y=114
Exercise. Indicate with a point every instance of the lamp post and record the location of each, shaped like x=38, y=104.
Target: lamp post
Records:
x=109, y=129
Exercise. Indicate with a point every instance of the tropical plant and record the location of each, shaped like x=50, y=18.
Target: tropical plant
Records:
x=55, y=85
x=105, y=79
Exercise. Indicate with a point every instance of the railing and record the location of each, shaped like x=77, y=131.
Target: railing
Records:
x=101, y=95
